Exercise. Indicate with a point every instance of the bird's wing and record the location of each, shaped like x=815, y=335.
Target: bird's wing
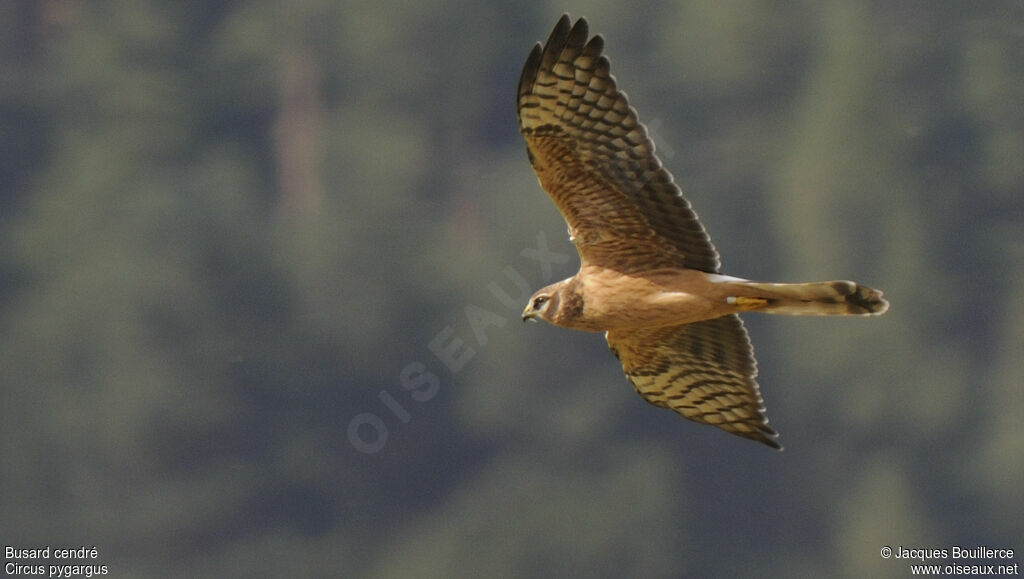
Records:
x=704, y=371
x=596, y=161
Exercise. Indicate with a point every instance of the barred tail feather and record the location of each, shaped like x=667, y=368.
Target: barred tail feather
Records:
x=826, y=298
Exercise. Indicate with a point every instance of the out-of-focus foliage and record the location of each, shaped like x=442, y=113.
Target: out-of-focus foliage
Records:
x=261, y=267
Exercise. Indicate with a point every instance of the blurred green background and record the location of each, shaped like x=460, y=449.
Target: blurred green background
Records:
x=240, y=240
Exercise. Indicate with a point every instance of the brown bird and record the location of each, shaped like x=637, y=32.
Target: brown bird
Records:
x=649, y=276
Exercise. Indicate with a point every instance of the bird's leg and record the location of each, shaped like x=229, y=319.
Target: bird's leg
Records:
x=745, y=304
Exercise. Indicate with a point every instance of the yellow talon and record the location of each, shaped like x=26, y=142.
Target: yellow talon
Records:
x=747, y=304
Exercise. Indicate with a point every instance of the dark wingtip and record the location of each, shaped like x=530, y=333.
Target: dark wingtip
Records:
x=542, y=52
x=565, y=34
x=772, y=442
x=529, y=74
x=765, y=435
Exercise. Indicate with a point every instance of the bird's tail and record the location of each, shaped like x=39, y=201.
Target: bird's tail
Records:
x=825, y=298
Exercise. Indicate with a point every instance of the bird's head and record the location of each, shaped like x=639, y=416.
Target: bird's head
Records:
x=560, y=304
x=543, y=304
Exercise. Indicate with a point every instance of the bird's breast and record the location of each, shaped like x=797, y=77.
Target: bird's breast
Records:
x=615, y=300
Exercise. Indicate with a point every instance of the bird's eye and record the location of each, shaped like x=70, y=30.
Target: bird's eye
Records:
x=537, y=303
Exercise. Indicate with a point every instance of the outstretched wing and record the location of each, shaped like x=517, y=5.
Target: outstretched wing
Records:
x=594, y=158
x=704, y=371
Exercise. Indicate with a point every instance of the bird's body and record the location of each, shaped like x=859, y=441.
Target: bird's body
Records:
x=651, y=299
x=649, y=276
x=668, y=297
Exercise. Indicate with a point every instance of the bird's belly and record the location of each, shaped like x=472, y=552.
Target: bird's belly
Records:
x=614, y=302
x=662, y=309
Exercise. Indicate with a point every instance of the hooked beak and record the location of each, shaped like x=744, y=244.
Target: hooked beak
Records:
x=529, y=315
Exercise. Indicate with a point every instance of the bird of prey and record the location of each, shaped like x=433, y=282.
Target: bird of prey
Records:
x=649, y=276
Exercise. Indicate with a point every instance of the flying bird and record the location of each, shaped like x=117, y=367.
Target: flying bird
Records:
x=649, y=276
